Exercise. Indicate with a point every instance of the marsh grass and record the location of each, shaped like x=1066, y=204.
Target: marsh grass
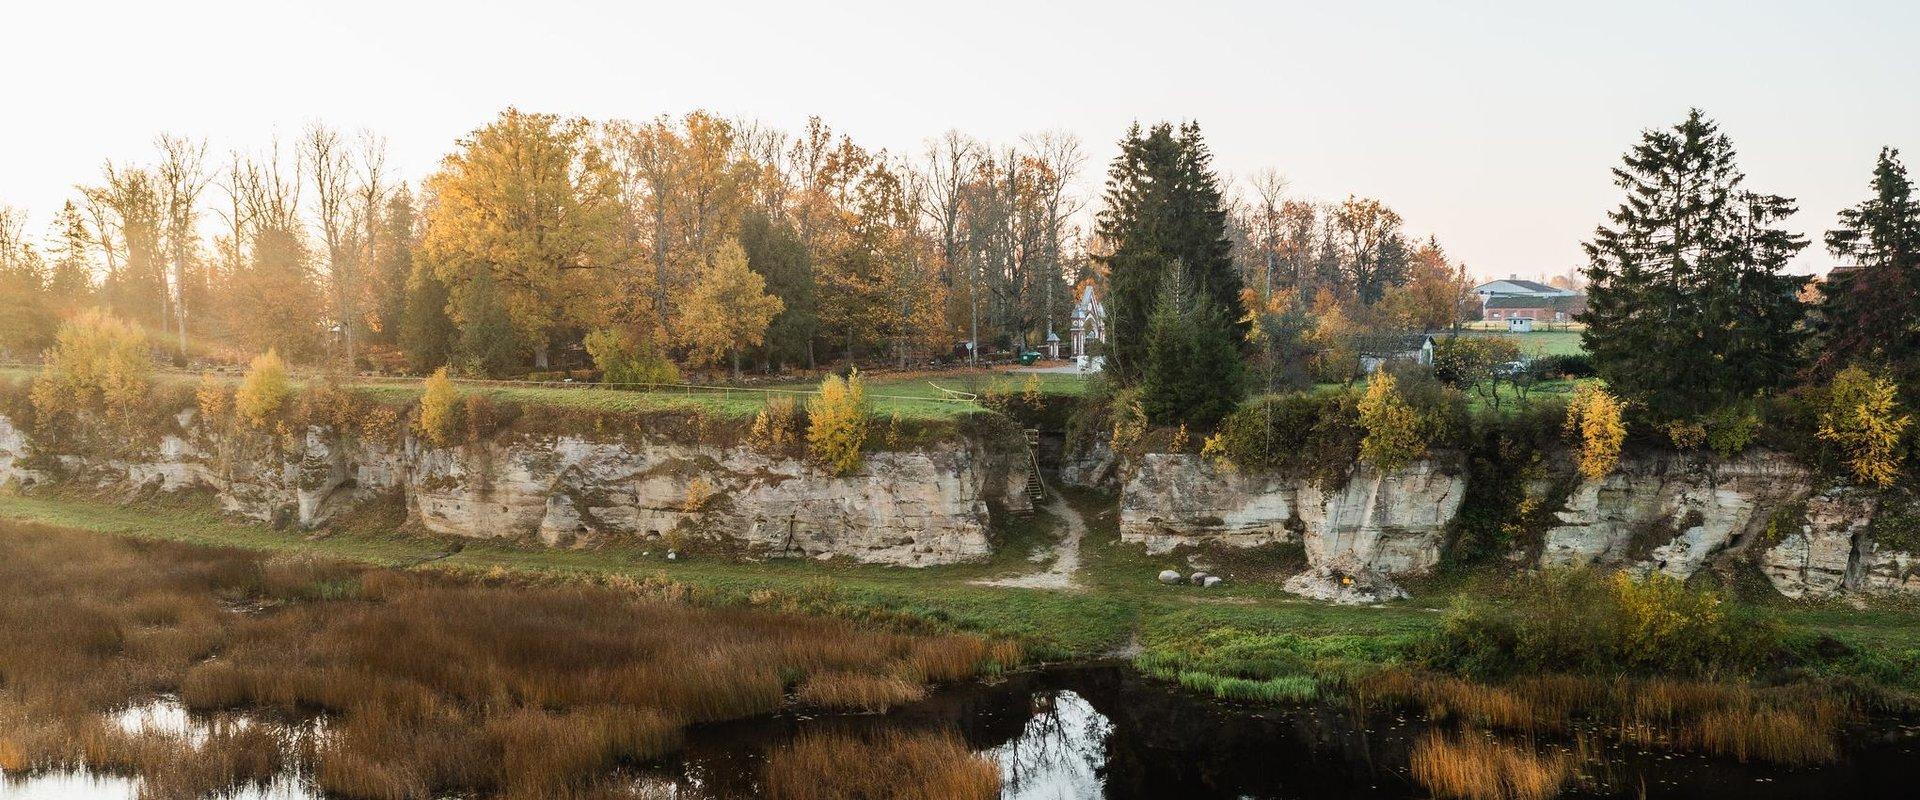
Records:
x=1473, y=766
x=893, y=765
x=432, y=683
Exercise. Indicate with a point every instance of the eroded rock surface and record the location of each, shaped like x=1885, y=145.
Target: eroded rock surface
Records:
x=1672, y=512
x=1375, y=526
x=910, y=508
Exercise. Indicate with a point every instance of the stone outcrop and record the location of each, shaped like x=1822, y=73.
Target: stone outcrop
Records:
x=1831, y=551
x=914, y=508
x=1359, y=534
x=1672, y=512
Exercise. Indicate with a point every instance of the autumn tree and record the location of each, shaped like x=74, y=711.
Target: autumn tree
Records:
x=98, y=363
x=727, y=310
x=1394, y=436
x=1596, y=419
x=1435, y=294
x=837, y=420
x=528, y=201
x=1859, y=414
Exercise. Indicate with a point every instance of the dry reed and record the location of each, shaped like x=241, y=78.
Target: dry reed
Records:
x=1474, y=766
x=434, y=684
x=893, y=765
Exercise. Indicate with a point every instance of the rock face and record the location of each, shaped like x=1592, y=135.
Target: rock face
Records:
x=909, y=508
x=1672, y=512
x=1375, y=526
x=1831, y=552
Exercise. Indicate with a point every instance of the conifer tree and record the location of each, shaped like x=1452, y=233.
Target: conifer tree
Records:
x=1163, y=207
x=487, y=344
x=1194, y=374
x=1687, y=309
x=1870, y=312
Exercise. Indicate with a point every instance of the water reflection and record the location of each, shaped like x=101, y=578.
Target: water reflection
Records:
x=1060, y=753
x=1106, y=732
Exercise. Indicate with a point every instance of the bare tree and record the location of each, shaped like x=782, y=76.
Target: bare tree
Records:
x=950, y=163
x=182, y=177
x=1060, y=160
x=370, y=194
x=325, y=159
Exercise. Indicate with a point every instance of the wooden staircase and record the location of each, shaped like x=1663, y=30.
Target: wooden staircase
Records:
x=1036, y=487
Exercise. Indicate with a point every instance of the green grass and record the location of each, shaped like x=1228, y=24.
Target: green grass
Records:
x=911, y=396
x=1539, y=343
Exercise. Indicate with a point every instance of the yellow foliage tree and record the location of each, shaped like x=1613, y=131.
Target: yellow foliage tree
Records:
x=439, y=417
x=1393, y=438
x=837, y=423
x=98, y=363
x=727, y=310
x=265, y=389
x=1594, y=415
x=1860, y=415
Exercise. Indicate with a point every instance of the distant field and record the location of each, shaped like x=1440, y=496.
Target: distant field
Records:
x=1542, y=343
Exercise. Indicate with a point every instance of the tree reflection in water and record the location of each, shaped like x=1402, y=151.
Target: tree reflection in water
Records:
x=1061, y=752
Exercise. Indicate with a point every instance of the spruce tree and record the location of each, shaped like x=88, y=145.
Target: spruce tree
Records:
x=1194, y=374
x=1687, y=308
x=426, y=332
x=1163, y=206
x=1870, y=311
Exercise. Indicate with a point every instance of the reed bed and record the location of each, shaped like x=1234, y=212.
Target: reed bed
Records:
x=1473, y=766
x=432, y=684
x=893, y=765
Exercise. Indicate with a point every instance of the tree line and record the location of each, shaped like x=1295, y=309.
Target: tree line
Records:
x=674, y=243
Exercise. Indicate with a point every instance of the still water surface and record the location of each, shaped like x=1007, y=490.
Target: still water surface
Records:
x=1103, y=732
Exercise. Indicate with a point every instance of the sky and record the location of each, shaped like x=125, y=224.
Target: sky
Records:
x=1491, y=125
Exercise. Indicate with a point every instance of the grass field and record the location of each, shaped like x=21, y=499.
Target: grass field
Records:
x=1538, y=343
x=911, y=395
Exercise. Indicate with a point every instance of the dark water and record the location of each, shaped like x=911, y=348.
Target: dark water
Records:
x=1105, y=732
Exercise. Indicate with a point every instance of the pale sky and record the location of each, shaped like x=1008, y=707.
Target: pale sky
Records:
x=1489, y=124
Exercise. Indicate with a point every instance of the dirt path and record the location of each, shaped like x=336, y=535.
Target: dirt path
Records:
x=1066, y=556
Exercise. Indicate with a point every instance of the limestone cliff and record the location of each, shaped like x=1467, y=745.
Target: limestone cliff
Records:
x=916, y=507
x=1374, y=526
x=1672, y=512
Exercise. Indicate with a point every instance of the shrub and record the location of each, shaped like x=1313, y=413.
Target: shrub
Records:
x=624, y=359
x=1394, y=437
x=1301, y=434
x=1594, y=417
x=1578, y=621
x=439, y=418
x=98, y=363
x=1567, y=365
x=213, y=397
x=1860, y=415
x=1731, y=428
x=263, y=393
x=837, y=423
x=776, y=429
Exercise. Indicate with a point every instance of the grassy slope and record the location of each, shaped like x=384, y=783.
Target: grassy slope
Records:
x=1246, y=628
x=1122, y=597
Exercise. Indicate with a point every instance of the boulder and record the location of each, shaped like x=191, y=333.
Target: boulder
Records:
x=1169, y=577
